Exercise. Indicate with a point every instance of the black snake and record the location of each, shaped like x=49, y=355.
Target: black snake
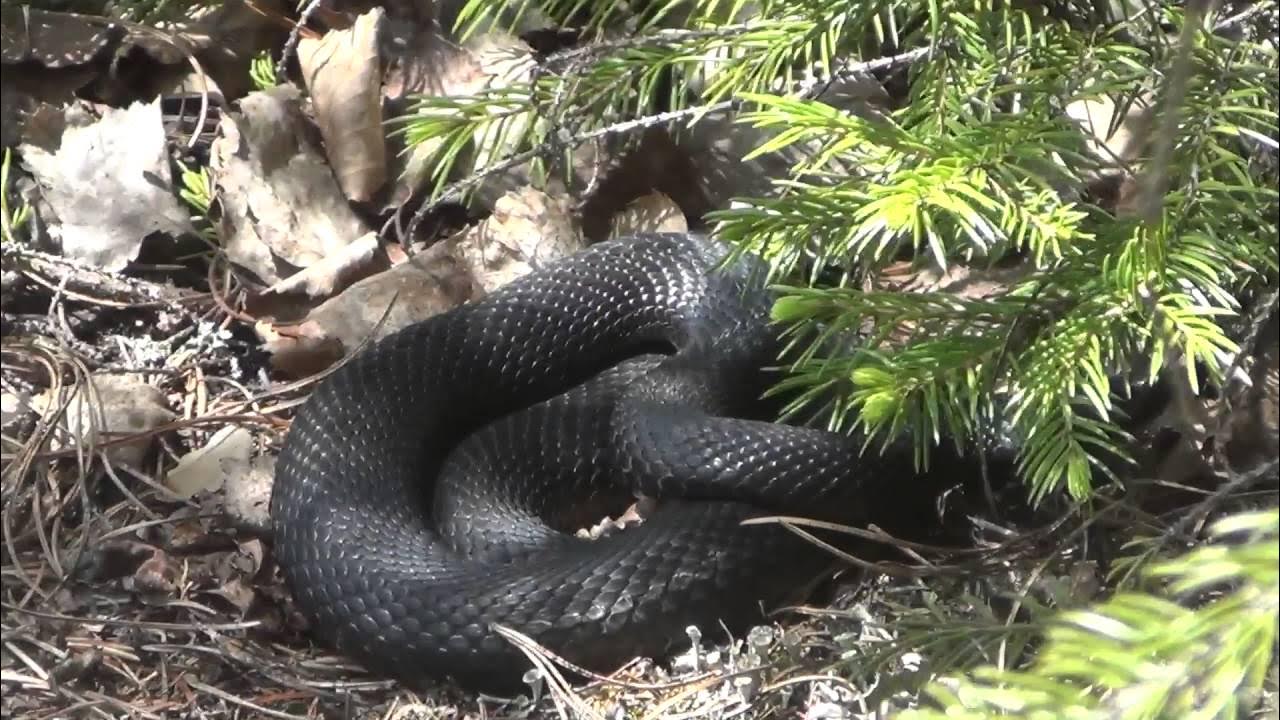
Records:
x=429, y=488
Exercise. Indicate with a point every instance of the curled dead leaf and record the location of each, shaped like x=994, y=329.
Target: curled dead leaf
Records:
x=282, y=208
x=424, y=285
x=343, y=75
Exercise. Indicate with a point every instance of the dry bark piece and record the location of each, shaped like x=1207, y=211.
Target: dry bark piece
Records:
x=107, y=180
x=342, y=73
x=334, y=271
x=282, y=208
x=204, y=469
x=106, y=407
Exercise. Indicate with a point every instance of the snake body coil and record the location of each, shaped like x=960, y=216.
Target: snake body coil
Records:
x=427, y=488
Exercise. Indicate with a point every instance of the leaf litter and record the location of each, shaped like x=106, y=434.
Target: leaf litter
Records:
x=153, y=352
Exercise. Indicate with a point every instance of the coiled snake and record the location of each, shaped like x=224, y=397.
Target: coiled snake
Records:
x=429, y=488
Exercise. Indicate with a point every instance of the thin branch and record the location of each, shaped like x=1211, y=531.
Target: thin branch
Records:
x=456, y=190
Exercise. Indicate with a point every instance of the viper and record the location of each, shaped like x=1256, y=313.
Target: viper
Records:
x=429, y=489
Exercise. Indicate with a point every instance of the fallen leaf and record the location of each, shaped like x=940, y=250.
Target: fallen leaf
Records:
x=426, y=284
x=106, y=407
x=342, y=73
x=108, y=181
x=204, y=469
x=248, y=499
x=528, y=228
x=654, y=212
x=282, y=208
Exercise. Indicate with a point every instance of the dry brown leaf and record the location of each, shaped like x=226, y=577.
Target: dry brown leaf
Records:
x=106, y=407
x=204, y=469
x=527, y=228
x=107, y=180
x=342, y=73
x=654, y=212
x=299, y=349
x=426, y=284
x=282, y=207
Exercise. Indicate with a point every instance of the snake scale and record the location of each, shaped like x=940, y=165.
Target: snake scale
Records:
x=429, y=488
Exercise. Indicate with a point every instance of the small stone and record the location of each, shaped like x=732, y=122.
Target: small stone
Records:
x=760, y=637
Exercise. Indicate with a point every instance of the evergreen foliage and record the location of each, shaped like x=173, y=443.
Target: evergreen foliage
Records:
x=980, y=166
x=1150, y=655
